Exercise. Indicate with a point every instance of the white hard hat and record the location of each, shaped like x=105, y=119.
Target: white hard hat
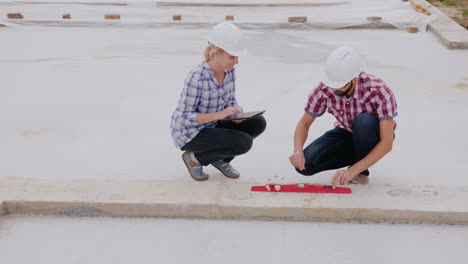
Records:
x=343, y=65
x=228, y=37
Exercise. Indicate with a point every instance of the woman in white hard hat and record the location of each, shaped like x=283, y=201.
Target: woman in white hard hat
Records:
x=364, y=108
x=207, y=98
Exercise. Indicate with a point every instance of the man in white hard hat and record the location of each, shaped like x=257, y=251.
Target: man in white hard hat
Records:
x=364, y=108
x=208, y=97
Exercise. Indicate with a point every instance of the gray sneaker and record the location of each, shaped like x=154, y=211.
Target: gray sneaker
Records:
x=226, y=169
x=195, y=169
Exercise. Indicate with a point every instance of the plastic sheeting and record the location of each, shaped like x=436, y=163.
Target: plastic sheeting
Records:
x=148, y=14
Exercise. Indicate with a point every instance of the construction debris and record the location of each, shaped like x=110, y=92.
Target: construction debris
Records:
x=421, y=8
x=248, y=4
x=374, y=18
x=112, y=16
x=412, y=30
x=297, y=19
x=15, y=15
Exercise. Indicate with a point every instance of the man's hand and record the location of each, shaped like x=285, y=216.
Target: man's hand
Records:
x=342, y=177
x=297, y=160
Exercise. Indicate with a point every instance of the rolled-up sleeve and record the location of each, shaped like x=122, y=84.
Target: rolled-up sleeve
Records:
x=189, y=100
x=316, y=103
x=386, y=104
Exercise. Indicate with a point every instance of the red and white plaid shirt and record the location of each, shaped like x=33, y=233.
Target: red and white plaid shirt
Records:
x=371, y=95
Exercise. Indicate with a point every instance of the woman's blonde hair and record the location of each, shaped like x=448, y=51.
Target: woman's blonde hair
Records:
x=210, y=52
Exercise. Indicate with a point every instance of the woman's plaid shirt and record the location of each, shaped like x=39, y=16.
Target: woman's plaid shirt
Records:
x=201, y=94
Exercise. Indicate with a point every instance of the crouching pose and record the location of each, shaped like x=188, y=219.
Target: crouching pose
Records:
x=208, y=97
x=364, y=108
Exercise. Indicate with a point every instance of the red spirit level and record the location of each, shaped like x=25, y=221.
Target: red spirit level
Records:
x=301, y=187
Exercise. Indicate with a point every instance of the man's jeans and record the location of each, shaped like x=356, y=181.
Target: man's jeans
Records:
x=226, y=140
x=338, y=147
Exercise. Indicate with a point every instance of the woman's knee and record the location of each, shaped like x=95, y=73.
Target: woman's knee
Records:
x=242, y=143
x=258, y=125
x=261, y=124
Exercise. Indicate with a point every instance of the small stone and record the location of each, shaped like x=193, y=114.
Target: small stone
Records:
x=412, y=30
x=297, y=19
x=177, y=17
x=15, y=15
x=229, y=18
x=374, y=18
x=66, y=16
x=112, y=16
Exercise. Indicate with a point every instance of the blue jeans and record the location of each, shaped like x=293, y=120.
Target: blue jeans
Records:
x=338, y=147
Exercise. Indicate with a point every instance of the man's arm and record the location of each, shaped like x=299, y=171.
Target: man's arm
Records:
x=300, y=136
x=380, y=150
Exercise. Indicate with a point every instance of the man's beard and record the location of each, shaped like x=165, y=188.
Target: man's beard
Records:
x=343, y=93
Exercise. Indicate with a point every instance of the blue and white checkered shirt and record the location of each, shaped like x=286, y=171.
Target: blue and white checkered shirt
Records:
x=201, y=94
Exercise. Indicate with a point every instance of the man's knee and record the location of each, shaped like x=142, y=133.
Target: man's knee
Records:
x=308, y=171
x=365, y=126
x=365, y=120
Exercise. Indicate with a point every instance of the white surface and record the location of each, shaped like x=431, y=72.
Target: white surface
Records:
x=26, y=239
x=395, y=12
x=96, y=103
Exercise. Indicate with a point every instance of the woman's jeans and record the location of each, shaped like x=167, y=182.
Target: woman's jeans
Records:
x=226, y=140
x=338, y=147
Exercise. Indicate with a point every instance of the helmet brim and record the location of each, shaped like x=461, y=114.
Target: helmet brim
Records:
x=337, y=84
x=237, y=53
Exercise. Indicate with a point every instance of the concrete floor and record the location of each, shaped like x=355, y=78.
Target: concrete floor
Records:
x=54, y=240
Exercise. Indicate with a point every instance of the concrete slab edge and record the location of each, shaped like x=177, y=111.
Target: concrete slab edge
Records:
x=2, y=209
x=214, y=211
x=445, y=38
x=450, y=33
x=227, y=199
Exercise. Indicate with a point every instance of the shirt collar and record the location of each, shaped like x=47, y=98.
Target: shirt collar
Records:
x=209, y=70
x=358, y=91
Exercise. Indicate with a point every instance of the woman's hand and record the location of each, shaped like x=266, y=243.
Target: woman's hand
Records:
x=229, y=111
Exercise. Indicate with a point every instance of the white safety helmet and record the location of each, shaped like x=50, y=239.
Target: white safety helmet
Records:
x=343, y=65
x=228, y=37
